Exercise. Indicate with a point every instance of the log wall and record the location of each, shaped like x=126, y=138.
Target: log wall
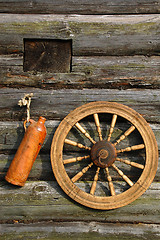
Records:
x=83, y=7
x=115, y=57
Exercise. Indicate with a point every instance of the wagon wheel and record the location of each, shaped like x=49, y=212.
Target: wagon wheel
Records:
x=105, y=167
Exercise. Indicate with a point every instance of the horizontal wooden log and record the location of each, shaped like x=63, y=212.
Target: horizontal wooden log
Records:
x=56, y=104
x=42, y=169
x=91, y=35
x=46, y=201
x=11, y=134
x=82, y=7
x=119, y=72
x=79, y=230
x=100, y=72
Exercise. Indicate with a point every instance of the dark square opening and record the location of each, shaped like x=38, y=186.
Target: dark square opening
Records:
x=47, y=55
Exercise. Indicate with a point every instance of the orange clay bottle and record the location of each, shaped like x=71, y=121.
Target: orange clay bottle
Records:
x=27, y=152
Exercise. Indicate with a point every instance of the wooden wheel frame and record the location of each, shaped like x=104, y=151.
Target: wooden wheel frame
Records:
x=103, y=155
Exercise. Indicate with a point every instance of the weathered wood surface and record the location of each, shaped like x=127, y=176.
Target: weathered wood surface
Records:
x=42, y=170
x=92, y=35
x=115, y=72
x=56, y=104
x=95, y=37
x=79, y=230
x=80, y=7
x=89, y=72
x=43, y=200
x=11, y=134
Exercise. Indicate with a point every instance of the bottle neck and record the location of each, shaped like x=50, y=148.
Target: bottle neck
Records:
x=41, y=120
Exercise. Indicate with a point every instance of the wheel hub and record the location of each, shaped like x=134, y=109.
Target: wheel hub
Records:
x=103, y=154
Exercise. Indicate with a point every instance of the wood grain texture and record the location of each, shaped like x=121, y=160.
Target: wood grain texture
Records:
x=42, y=170
x=11, y=134
x=94, y=37
x=80, y=7
x=90, y=72
x=56, y=104
x=43, y=200
x=79, y=230
x=115, y=72
x=91, y=35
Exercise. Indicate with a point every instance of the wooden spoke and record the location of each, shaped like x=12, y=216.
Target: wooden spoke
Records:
x=132, y=148
x=127, y=133
x=122, y=175
x=133, y=164
x=76, y=159
x=110, y=183
x=82, y=130
x=70, y=142
x=114, y=119
x=94, y=184
x=96, y=119
x=80, y=174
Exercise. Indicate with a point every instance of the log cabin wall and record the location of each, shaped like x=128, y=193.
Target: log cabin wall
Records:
x=111, y=53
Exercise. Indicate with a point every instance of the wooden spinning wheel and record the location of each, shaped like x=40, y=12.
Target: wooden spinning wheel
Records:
x=104, y=155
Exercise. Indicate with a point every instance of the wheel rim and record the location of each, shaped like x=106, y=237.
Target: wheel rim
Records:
x=113, y=196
